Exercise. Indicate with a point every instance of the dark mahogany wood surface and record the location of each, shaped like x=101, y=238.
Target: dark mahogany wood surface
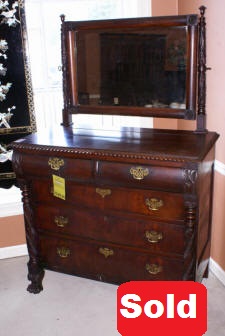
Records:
x=154, y=227
x=166, y=145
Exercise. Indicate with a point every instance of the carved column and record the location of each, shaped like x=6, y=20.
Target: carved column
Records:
x=35, y=270
x=190, y=230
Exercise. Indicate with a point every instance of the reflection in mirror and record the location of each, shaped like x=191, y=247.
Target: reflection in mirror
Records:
x=139, y=67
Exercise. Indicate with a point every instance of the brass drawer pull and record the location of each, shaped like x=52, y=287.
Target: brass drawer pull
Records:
x=153, y=269
x=153, y=236
x=139, y=173
x=106, y=251
x=61, y=221
x=154, y=204
x=63, y=252
x=103, y=192
x=55, y=163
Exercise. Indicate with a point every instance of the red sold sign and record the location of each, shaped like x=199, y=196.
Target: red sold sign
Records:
x=162, y=308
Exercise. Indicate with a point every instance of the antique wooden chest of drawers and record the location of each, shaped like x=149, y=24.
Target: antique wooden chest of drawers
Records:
x=135, y=205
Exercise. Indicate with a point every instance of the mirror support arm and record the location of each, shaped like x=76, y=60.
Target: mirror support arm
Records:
x=202, y=68
x=67, y=118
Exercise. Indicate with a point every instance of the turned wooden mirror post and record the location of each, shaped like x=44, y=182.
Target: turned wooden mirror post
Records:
x=202, y=68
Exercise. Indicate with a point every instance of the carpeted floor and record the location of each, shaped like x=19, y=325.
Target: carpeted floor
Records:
x=72, y=306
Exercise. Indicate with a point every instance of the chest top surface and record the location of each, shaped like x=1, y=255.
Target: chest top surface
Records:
x=126, y=143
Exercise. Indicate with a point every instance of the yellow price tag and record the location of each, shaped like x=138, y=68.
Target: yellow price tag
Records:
x=59, y=189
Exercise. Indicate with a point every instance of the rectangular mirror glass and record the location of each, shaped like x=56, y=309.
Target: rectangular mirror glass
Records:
x=145, y=67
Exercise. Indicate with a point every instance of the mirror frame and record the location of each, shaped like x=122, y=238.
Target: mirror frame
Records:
x=69, y=29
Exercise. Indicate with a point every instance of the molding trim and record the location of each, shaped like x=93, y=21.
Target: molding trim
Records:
x=220, y=167
x=217, y=271
x=13, y=251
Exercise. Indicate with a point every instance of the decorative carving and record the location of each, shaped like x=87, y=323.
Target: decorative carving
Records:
x=190, y=223
x=35, y=269
x=190, y=177
x=17, y=164
x=190, y=215
x=62, y=17
x=67, y=118
x=84, y=153
x=192, y=20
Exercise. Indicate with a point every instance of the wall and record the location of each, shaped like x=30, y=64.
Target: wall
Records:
x=160, y=8
x=12, y=231
x=164, y=7
x=11, y=223
x=215, y=19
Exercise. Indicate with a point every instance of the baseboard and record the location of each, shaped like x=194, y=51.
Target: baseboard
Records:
x=220, y=167
x=13, y=251
x=217, y=271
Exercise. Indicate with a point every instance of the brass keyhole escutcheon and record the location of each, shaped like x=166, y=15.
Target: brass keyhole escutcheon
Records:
x=107, y=252
x=103, y=192
x=154, y=204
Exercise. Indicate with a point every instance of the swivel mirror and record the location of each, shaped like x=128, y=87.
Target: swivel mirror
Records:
x=141, y=66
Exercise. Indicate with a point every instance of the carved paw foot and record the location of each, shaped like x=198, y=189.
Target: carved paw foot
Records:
x=35, y=288
x=35, y=275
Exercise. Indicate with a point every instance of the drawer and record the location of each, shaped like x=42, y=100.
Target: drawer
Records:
x=141, y=176
x=44, y=166
x=133, y=231
x=108, y=263
x=155, y=204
